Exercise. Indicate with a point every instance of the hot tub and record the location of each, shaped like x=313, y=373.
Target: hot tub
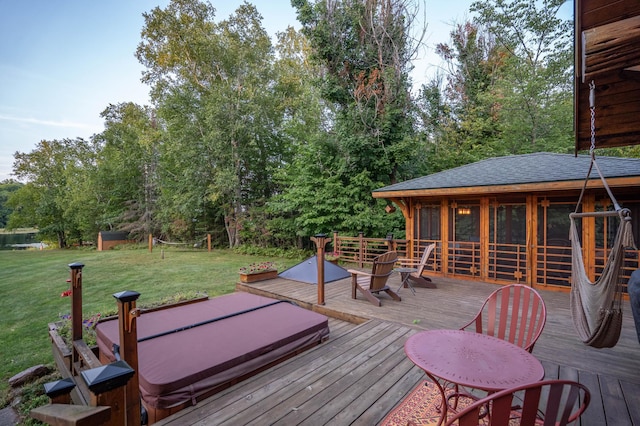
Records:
x=189, y=352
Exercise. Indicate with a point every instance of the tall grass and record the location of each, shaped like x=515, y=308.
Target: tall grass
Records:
x=31, y=283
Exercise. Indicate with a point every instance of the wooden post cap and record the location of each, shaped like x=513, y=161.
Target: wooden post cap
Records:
x=107, y=377
x=127, y=296
x=59, y=387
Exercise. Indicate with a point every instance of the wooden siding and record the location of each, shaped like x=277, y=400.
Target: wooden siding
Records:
x=541, y=259
x=607, y=48
x=361, y=372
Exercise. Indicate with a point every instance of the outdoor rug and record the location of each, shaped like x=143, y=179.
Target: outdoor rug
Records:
x=419, y=408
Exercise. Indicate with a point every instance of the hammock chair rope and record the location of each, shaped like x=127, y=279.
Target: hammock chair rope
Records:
x=596, y=307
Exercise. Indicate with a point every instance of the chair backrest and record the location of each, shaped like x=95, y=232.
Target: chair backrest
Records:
x=381, y=269
x=423, y=260
x=515, y=313
x=545, y=403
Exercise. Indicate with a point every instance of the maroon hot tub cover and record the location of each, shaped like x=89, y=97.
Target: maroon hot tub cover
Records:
x=247, y=332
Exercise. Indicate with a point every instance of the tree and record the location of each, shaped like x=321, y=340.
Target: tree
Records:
x=365, y=51
x=507, y=89
x=43, y=202
x=214, y=87
x=122, y=182
x=7, y=187
x=535, y=89
x=458, y=114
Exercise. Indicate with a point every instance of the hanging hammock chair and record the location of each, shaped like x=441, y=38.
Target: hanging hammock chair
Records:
x=596, y=307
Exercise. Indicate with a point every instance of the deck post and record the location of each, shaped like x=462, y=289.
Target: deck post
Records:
x=390, y=243
x=127, y=314
x=320, y=240
x=360, y=249
x=150, y=243
x=76, y=306
x=108, y=385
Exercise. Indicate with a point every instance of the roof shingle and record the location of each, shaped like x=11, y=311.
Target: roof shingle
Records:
x=520, y=169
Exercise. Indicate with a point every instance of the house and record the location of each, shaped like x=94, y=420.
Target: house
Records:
x=506, y=219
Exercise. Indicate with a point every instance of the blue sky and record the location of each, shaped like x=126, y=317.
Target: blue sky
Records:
x=63, y=62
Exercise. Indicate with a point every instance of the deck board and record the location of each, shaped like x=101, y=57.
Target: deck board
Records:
x=361, y=372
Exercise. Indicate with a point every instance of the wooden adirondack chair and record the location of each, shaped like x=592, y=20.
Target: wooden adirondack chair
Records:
x=544, y=403
x=515, y=313
x=416, y=278
x=375, y=282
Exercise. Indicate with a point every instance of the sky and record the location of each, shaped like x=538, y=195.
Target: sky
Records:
x=63, y=62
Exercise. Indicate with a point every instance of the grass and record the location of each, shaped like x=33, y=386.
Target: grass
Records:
x=31, y=283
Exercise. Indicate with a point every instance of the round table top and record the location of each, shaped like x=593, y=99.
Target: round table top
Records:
x=473, y=359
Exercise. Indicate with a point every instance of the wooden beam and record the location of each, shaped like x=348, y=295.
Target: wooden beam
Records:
x=611, y=47
x=71, y=415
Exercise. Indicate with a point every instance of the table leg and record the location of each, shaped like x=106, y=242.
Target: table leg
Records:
x=405, y=282
x=444, y=406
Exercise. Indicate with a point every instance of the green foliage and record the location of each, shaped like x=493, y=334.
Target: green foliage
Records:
x=217, y=95
x=32, y=395
x=285, y=253
x=508, y=88
x=122, y=191
x=43, y=202
x=268, y=145
x=7, y=187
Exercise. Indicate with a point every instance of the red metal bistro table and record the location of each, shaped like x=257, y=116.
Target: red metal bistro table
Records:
x=474, y=360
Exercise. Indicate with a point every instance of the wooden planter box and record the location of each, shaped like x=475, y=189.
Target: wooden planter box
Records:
x=61, y=352
x=260, y=276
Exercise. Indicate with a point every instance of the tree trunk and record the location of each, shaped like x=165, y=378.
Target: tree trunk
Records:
x=62, y=240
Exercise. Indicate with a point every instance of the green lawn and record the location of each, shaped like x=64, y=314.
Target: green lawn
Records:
x=31, y=283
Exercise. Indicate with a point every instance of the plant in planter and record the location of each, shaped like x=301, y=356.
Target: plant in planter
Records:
x=332, y=257
x=63, y=327
x=258, y=271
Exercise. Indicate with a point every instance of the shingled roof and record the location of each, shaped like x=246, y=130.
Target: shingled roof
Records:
x=520, y=169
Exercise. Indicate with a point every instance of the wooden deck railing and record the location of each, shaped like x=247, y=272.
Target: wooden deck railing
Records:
x=362, y=251
x=503, y=263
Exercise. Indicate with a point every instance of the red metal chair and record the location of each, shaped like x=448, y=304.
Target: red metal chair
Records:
x=545, y=403
x=515, y=313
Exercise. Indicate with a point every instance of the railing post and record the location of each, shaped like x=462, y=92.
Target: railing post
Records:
x=209, y=243
x=127, y=314
x=336, y=242
x=390, y=243
x=320, y=240
x=107, y=385
x=76, y=306
x=150, y=243
x=360, y=249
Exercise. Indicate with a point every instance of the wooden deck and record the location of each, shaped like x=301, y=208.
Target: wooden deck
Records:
x=361, y=372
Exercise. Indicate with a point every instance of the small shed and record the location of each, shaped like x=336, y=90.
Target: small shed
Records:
x=506, y=219
x=109, y=239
